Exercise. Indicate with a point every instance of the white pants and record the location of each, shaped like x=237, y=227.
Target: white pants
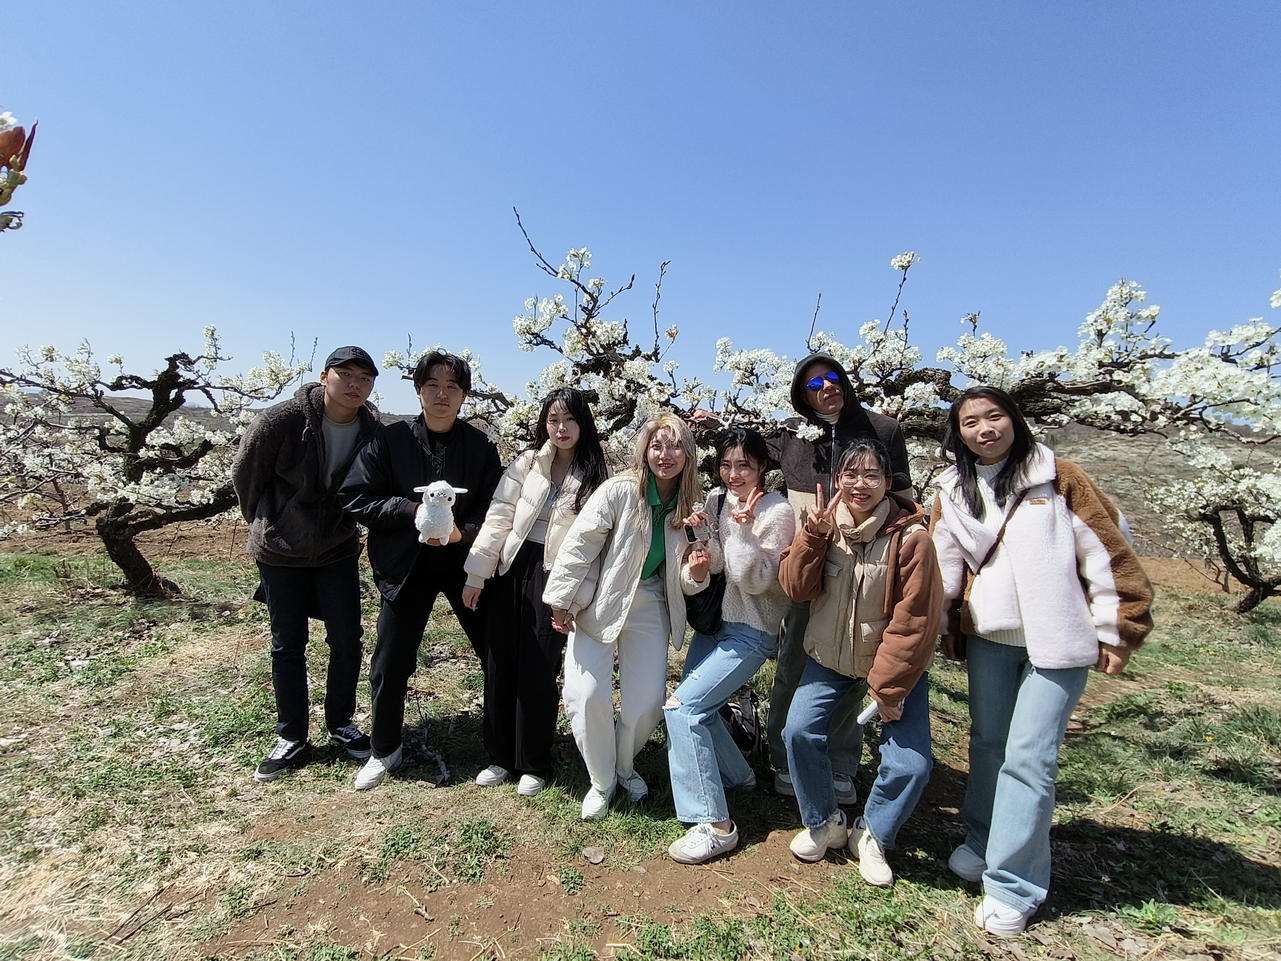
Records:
x=610, y=749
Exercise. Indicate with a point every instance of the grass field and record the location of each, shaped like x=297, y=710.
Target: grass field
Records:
x=132, y=827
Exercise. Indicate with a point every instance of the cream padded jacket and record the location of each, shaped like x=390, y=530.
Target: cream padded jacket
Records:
x=516, y=505
x=613, y=529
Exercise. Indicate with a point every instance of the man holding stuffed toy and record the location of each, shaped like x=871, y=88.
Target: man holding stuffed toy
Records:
x=380, y=492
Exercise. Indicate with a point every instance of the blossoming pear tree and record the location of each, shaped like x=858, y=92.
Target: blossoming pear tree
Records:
x=125, y=450
x=1122, y=377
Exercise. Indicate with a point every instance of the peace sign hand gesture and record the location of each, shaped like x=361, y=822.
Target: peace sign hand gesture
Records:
x=822, y=516
x=747, y=513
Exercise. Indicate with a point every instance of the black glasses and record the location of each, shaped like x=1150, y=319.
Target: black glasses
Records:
x=816, y=383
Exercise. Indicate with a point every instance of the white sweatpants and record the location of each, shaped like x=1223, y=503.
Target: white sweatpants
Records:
x=610, y=749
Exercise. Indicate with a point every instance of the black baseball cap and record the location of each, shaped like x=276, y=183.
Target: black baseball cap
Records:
x=351, y=355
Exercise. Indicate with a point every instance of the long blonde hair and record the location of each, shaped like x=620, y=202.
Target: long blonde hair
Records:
x=690, y=489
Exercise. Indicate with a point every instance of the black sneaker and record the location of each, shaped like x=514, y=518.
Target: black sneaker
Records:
x=354, y=740
x=282, y=757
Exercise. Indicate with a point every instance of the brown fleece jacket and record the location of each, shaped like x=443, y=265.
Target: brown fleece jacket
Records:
x=894, y=646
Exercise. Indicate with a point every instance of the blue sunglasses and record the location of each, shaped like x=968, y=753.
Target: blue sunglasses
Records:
x=816, y=383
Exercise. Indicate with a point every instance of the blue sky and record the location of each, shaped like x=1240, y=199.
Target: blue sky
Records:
x=347, y=172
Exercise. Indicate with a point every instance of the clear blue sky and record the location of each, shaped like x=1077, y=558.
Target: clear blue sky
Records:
x=347, y=171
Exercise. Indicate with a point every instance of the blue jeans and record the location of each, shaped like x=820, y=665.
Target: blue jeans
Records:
x=844, y=735
x=330, y=593
x=701, y=754
x=905, y=753
x=1018, y=715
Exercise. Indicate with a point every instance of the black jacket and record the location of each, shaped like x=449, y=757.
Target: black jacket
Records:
x=279, y=476
x=379, y=492
x=806, y=463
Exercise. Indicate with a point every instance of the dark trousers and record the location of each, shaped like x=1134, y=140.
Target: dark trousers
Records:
x=331, y=594
x=522, y=697
x=438, y=570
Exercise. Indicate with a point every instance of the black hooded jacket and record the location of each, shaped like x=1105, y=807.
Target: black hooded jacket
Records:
x=807, y=463
x=379, y=492
x=279, y=476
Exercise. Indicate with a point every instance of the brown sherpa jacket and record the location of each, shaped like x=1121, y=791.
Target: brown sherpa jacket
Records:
x=876, y=592
x=279, y=476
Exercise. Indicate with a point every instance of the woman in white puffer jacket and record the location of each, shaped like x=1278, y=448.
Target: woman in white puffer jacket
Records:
x=633, y=528
x=533, y=508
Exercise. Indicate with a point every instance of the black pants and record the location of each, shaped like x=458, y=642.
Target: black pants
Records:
x=332, y=594
x=438, y=570
x=522, y=697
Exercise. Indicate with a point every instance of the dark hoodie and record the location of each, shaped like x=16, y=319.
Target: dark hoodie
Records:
x=806, y=463
x=279, y=475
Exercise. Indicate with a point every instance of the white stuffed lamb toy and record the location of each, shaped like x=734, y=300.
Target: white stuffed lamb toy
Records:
x=435, y=518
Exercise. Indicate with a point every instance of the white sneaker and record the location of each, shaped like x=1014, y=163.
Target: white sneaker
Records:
x=530, y=784
x=1001, y=919
x=748, y=785
x=783, y=784
x=702, y=843
x=964, y=863
x=377, y=768
x=635, y=786
x=812, y=844
x=871, y=859
x=493, y=776
x=596, y=804
x=846, y=792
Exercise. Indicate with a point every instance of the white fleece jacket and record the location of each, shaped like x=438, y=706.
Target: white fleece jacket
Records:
x=749, y=555
x=1063, y=571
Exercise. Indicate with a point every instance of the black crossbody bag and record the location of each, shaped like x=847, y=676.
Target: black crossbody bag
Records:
x=703, y=610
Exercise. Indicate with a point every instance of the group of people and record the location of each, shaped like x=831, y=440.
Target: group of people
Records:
x=1021, y=566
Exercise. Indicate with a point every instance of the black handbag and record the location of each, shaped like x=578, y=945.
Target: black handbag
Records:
x=703, y=610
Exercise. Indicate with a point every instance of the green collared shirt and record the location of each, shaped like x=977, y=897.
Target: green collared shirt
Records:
x=658, y=537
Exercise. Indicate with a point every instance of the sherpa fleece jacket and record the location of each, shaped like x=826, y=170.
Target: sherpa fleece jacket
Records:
x=1063, y=570
x=279, y=476
x=379, y=492
x=614, y=528
x=807, y=463
x=516, y=505
x=748, y=555
x=877, y=600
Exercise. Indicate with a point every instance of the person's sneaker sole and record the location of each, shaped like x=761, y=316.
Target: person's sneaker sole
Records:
x=274, y=767
x=357, y=750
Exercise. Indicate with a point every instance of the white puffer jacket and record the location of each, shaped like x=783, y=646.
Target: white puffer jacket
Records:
x=614, y=529
x=516, y=505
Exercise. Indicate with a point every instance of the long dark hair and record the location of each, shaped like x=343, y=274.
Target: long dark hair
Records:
x=750, y=440
x=1016, y=461
x=589, y=457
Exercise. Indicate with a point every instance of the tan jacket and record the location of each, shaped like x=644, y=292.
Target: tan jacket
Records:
x=516, y=505
x=613, y=530
x=876, y=592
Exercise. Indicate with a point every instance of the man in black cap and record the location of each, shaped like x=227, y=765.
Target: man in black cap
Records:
x=291, y=462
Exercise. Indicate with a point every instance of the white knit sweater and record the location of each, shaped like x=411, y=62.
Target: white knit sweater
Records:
x=749, y=555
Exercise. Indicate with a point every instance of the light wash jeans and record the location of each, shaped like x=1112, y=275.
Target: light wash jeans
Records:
x=609, y=750
x=905, y=753
x=845, y=734
x=701, y=753
x=1018, y=716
